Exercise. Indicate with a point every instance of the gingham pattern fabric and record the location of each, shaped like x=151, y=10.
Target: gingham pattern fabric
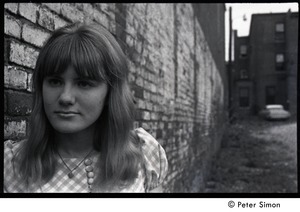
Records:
x=155, y=161
x=150, y=175
x=62, y=183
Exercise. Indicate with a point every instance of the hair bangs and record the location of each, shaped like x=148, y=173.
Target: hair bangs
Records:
x=81, y=54
x=56, y=57
x=87, y=60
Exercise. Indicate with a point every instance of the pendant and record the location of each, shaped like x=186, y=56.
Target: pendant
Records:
x=70, y=175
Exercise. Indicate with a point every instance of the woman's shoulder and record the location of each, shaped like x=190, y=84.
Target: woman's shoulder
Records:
x=11, y=148
x=148, y=142
x=155, y=159
x=11, y=180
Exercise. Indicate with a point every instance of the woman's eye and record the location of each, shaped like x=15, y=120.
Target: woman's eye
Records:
x=84, y=84
x=54, y=82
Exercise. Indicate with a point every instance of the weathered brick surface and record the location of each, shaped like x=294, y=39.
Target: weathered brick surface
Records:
x=46, y=18
x=29, y=11
x=13, y=7
x=18, y=104
x=33, y=35
x=56, y=7
x=12, y=26
x=71, y=12
x=14, y=129
x=101, y=18
x=178, y=89
x=15, y=78
x=29, y=82
x=59, y=22
x=23, y=55
x=51, y=20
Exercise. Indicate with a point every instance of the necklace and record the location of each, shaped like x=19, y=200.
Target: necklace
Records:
x=70, y=174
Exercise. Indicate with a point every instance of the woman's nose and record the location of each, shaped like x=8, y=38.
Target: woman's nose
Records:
x=67, y=96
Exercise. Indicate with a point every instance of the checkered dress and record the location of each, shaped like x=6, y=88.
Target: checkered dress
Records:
x=151, y=173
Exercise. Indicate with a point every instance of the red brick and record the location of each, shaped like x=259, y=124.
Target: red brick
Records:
x=12, y=26
x=56, y=7
x=149, y=106
x=33, y=35
x=107, y=8
x=101, y=18
x=141, y=104
x=18, y=104
x=146, y=115
x=71, y=12
x=23, y=55
x=140, y=81
x=29, y=11
x=46, y=19
x=29, y=82
x=131, y=78
x=14, y=129
x=145, y=125
x=87, y=9
x=15, y=77
x=13, y=7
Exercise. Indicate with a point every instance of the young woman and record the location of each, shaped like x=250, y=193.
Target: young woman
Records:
x=81, y=129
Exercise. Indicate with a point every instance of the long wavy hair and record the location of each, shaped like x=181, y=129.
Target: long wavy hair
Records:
x=95, y=53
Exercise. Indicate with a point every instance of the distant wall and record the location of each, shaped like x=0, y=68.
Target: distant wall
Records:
x=176, y=81
x=292, y=20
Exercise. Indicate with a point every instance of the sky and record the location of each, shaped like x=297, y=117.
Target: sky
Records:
x=241, y=10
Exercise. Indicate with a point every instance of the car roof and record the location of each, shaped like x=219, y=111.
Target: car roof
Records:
x=274, y=107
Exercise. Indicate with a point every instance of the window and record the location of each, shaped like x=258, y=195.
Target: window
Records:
x=279, y=32
x=279, y=61
x=279, y=58
x=243, y=74
x=243, y=51
x=279, y=27
x=270, y=95
x=244, y=97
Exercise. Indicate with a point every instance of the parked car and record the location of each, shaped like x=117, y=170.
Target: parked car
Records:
x=274, y=112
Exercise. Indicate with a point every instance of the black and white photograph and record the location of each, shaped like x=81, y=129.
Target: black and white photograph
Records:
x=192, y=98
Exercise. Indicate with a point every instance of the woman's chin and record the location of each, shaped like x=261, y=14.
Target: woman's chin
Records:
x=68, y=129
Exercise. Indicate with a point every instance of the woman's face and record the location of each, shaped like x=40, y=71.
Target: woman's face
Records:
x=72, y=103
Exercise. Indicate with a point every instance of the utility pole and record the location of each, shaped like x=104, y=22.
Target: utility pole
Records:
x=230, y=67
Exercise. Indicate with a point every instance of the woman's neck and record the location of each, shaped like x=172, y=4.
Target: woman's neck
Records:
x=75, y=145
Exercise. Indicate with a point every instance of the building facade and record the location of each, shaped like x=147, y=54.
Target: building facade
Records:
x=265, y=64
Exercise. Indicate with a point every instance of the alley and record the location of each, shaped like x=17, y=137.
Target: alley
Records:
x=257, y=157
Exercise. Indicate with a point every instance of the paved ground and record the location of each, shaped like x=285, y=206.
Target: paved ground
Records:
x=257, y=157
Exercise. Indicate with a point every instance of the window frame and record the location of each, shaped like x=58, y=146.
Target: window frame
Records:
x=270, y=99
x=279, y=33
x=276, y=27
x=244, y=101
x=242, y=54
x=280, y=64
x=243, y=74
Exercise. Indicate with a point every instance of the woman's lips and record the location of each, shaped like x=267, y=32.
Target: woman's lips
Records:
x=66, y=114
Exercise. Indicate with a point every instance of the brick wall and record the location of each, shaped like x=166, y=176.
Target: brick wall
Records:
x=178, y=88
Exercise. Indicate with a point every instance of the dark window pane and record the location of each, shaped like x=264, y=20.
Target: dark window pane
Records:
x=244, y=97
